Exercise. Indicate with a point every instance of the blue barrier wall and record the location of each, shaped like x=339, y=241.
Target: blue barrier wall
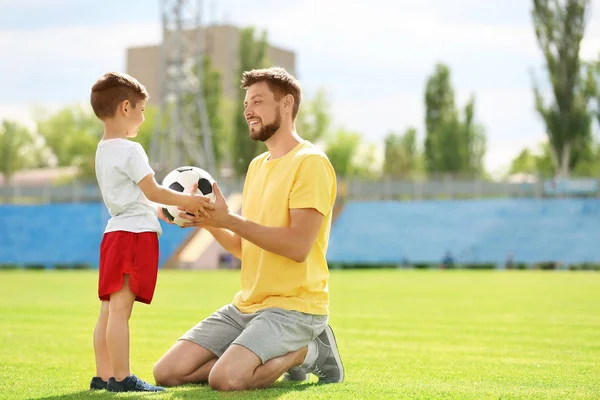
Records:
x=474, y=231
x=63, y=234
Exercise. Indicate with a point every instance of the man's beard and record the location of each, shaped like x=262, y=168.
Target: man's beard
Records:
x=268, y=130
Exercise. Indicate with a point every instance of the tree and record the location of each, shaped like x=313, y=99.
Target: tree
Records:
x=213, y=94
x=342, y=148
x=451, y=144
x=17, y=149
x=524, y=163
x=588, y=164
x=252, y=55
x=72, y=134
x=473, y=140
x=364, y=163
x=559, y=29
x=441, y=121
x=535, y=163
x=401, y=156
x=314, y=119
x=593, y=81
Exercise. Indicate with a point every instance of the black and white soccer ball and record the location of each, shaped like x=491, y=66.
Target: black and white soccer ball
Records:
x=182, y=180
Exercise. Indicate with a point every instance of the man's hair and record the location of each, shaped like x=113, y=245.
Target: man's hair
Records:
x=112, y=89
x=280, y=82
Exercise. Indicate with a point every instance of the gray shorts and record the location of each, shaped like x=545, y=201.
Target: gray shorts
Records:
x=268, y=333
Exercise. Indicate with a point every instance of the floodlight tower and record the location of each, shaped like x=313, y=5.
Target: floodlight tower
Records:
x=176, y=140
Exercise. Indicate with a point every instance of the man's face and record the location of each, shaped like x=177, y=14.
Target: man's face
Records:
x=261, y=111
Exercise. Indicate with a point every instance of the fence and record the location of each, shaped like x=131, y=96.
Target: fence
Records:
x=348, y=189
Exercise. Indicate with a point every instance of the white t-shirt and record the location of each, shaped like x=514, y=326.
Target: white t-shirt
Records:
x=120, y=165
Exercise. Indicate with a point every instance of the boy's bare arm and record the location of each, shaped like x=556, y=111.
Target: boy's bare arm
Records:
x=162, y=195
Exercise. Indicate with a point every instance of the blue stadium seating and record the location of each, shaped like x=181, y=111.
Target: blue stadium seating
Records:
x=473, y=231
x=378, y=232
x=68, y=234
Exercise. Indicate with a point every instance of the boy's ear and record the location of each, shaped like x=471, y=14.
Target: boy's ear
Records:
x=125, y=106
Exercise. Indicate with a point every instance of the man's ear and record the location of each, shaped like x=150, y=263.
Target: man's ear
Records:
x=288, y=102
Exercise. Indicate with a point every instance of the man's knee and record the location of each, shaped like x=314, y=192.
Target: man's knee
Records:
x=165, y=376
x=223, y=379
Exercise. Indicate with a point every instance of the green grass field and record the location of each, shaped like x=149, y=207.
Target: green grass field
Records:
x=402, y=334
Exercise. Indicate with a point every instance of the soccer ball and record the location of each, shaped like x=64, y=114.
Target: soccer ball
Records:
x=182, y=180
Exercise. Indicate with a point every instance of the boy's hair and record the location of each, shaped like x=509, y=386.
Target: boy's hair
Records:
x=280, y=82
x=111, y=90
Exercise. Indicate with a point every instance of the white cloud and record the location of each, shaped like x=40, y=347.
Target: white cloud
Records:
x=61, y=63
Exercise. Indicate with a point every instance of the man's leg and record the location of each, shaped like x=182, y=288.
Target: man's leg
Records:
x=241, y=369
x=185, y=362
x=326, y=362
x=273, y=342
x=192, y=357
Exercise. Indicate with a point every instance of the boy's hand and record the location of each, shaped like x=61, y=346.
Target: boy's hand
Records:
x=161, y=215
x=198, y=204
x=219, y=215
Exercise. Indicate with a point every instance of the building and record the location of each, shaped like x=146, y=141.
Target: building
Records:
x=221, y=44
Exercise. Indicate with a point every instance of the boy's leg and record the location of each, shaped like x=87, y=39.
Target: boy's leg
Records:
x=103, y=366
x=117, y=340
x=117, y=330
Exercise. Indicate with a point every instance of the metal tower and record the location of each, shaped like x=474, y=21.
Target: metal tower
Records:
x=176, y=140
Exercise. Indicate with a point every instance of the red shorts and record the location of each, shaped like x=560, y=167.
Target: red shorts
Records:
x=134, y=254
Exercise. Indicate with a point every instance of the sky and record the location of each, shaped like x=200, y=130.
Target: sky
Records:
x=372, y=58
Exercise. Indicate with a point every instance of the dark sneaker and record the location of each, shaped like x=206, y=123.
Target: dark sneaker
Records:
x=295, y=374
x=132, y=384
x=328, y=366
x=97, y=384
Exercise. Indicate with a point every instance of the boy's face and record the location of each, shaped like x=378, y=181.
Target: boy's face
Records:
x=134, y=117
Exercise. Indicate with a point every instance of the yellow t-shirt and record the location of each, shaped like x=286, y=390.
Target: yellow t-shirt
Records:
x=303, y=178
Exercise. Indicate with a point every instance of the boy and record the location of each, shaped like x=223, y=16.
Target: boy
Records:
x=129, y=250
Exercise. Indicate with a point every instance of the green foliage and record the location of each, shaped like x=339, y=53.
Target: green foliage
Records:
x=364, y=164
x=314, y=118
x=341, y=148
x=17, y=148
x=401, y=155
x=72, y=135
x=252, y=55
x=559, y=29
x=452, y=145
x=213, y=94
x=538, y=163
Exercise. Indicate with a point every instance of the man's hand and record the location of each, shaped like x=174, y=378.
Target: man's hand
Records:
x=218, y=217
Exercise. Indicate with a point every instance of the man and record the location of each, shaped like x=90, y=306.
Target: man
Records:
x=277, y=322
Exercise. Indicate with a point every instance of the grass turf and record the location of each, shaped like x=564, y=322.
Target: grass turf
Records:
x=402, y=334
